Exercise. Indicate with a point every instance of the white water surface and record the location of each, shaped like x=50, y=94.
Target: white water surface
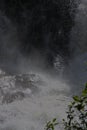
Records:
x=34, y=110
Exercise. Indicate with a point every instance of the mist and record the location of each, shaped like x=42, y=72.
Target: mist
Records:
x=42, y=60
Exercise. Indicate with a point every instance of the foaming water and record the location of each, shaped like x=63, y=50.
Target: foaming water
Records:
x=33, y=112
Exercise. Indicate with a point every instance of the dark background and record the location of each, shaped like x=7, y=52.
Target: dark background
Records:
x=42, y=25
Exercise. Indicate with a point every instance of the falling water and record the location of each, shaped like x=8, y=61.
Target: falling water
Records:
x=78, y=66
x=30, y=97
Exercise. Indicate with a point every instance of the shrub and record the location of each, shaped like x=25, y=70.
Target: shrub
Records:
x=76, y=114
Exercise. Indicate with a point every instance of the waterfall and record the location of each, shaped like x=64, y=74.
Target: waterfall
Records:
x=79, y=31
x=78, y=65
x=31, y=35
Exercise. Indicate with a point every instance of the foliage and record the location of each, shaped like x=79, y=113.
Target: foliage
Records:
x=51, y=124
x=76, y=114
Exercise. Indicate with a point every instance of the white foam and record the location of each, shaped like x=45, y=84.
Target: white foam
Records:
x=33, y=112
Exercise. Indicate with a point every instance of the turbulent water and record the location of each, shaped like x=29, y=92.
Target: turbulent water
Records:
x=30, y=95
x=28, y=101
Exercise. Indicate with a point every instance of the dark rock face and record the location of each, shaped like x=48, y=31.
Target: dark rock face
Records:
x=43, y=26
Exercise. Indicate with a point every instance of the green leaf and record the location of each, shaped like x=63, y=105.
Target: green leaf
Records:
x=76, y=98
x=84, y=92
x=79, y=107
x=54, y=119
